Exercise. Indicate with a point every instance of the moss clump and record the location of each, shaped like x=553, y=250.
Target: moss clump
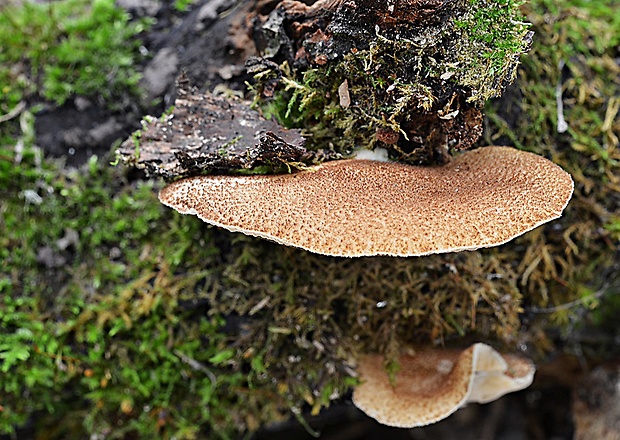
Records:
x=492, y=37
x=64, y=48
x=414, y=86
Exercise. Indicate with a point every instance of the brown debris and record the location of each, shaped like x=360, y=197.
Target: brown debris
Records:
x=596, y=405
x=411, y=11
x=387, y=136
x=429, y=133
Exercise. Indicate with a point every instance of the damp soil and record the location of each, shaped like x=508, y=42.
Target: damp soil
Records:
x=200, y=43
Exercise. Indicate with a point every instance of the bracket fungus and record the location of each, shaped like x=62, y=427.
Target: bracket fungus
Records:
x=434, y=383
x=353, y=208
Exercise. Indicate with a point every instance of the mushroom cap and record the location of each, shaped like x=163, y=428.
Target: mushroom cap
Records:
x=430, y=385
x=354, y=208
x=434, y=383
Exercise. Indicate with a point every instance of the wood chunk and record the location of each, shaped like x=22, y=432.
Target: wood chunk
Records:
x=206, y=134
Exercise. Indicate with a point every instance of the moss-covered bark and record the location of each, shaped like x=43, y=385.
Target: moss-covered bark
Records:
x=409, y=76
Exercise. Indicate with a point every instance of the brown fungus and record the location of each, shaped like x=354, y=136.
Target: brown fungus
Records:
x=434, y=383
x=354, y=208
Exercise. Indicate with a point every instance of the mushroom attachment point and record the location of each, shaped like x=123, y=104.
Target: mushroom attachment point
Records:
x=354, y=208
x=433, y=383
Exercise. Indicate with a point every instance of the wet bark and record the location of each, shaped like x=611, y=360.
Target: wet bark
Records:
x=209, y=134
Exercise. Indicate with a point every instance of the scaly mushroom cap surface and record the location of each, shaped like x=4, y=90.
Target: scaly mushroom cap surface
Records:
x=434, y=383
x=353, y=208
x=430, y=385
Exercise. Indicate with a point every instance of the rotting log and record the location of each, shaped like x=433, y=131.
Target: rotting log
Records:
x=416, y=73
x=339, y=75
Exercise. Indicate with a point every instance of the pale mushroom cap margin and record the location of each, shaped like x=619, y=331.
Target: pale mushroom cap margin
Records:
x=516, y=374
x=353, y=208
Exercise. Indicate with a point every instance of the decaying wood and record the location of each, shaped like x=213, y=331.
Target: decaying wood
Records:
x=206, y=134
x=328, y=29
x=323, y=33
x=418, y=114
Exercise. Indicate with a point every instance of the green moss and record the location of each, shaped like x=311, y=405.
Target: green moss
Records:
x=494, y=37
x=95, y=330
x=394, y=82
x=183, y=5
x=69, y=47
x=158, y=325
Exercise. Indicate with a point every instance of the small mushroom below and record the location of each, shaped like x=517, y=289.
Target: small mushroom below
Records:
x=434, y=383
x=354, y=208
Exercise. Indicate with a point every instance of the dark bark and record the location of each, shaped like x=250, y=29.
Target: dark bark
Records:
x=209, y=134
x=323, y=34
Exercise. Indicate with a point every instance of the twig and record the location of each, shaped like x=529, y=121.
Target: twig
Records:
x=196, y=366
x=562, y=125
x=569, y=305
x=13, y=113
